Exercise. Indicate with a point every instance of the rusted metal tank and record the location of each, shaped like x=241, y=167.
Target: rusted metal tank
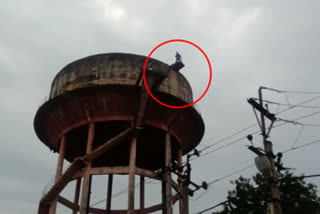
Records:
x=103, y=89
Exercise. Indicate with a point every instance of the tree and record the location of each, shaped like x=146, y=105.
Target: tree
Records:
x=252, y=197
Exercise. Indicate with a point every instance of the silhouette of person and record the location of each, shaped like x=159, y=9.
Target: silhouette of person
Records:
x=178, y=57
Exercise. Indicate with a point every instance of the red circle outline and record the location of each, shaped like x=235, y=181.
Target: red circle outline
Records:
x=145, y=65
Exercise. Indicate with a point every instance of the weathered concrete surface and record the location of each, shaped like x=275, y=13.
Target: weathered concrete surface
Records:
x=116, y=69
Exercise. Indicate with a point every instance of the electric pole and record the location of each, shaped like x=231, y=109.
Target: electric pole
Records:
x=275, y=205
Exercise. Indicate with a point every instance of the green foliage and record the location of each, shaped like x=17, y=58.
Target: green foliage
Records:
x=251, y=196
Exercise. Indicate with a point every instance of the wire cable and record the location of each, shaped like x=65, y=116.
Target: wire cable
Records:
x=210, y=208
x=251, y=165
x=252, y=125
x=228, y=137
x=298, y=118
x=231, y=174
x=299, y=104
x=224, y=146
x=298, y=137
x=239, y=139
x=308, y=176
x=149, y=180
x=224, y=202
x=301, y=146
x=254, y=133
x=287, y=98
x=222, y=178
x=284, y=104
x=292, y=92
x=301, y=92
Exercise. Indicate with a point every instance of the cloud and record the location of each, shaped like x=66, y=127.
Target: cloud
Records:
x=248, y=43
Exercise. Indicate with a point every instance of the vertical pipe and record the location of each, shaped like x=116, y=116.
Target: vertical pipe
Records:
x=132, y=166
x=168, y=174
x=142, y=194
x=109, y=193
x=86, y=186
x=164, y=196
x=184, y=201
x=76, y=196
x=62, y=151
x=180, y=180
x=90, y=137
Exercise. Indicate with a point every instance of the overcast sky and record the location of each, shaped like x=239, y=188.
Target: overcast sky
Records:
x=249, y=43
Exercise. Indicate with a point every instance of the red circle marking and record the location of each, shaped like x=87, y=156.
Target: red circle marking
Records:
x=145, y=65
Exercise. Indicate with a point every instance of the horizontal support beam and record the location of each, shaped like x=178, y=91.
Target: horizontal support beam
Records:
x=92, y=210
x=119, y=170
x=147, y=210
x=109, y=170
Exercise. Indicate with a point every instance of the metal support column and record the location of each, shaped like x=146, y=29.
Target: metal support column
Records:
x=184, y=201
x=142, y=194
x=109, y=194
x=168, y=192
x=132, y=169
x=86, y=186
x=77, y=195
x=62, y=151
x=164, y=198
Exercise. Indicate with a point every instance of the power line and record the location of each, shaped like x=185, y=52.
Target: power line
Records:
x=298, y=137
x=228, y=137
x=149, y=180
x=235, y=141
x=290, y=105
x=231, y=174
x=292, y=92
x=287, y=98
x=303, y=145
x=294, y=122
x=252, y=125
x=301, y=92
x=298, y=118
x=202, y=194
x=308, y=176
x=285, y=122
x=224, y=146
x=299, y=104
x=251, y=165
x=210, y=208
x=224, y=202
x=254, y=133
x=222, y=178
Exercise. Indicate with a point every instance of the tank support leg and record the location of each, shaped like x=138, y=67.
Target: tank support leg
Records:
x=109, y=193
x=132, y=169
x=76, y=196
x=184, y=200
x=142, y=193
x=168, y=192
x=62, y=151
x=86, y=186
